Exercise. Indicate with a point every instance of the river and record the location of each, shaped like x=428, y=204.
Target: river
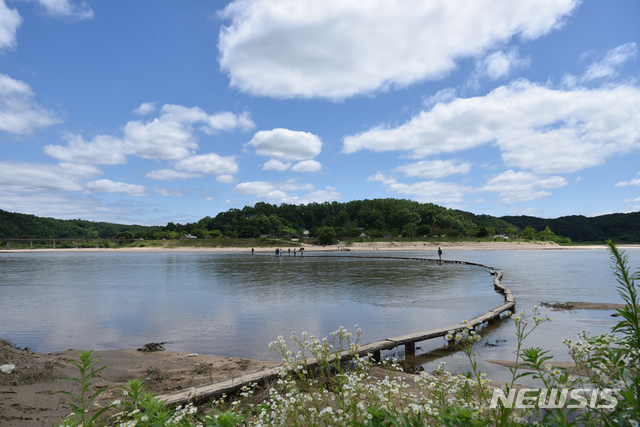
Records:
x=235, y=304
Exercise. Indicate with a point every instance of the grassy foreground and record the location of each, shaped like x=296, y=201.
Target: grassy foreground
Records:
x=603, y=390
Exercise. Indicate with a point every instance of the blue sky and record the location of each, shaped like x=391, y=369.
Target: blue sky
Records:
x=155, y=111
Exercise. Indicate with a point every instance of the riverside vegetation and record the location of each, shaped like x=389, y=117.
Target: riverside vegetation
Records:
x=376, y=218
x=339, y=392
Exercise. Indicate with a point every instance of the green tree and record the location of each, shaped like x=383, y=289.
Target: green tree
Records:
x=546, y=233
x=325, y=235
x=529, y=232
x=409, y=230
x=511, y=232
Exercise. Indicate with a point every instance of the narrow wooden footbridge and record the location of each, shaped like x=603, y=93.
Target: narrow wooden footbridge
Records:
x=374, y=349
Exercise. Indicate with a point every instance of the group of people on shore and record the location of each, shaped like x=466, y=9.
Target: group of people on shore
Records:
x=279, y=252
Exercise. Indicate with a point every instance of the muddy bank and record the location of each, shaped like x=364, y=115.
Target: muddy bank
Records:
x=28, y=398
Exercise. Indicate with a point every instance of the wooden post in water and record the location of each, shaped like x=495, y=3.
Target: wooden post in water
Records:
x=410, y=349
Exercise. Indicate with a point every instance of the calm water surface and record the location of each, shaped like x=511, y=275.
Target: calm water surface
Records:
x=235, y=304
x=225, y=304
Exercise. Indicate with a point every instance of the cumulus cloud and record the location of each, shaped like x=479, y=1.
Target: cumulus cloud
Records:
x=29, y=177
x=444, y=193
x=276, y=165
x=307, y=166
x=285, y=144
x=108, y=186
x=194, y=166
x=536, y=128
x=225, y=179
x=65, y=9
x=210, y=163
x=336, y=49
x=103, y=149
x=170, y=174
x=171, y=136
x=287, y=192
x=10, y=20
x=634, y=182
x=498, y=65
x=608, y=66
x=145, y=108
x=19, y=114
x=165, y=192
x=516, y=187
x=433, y=169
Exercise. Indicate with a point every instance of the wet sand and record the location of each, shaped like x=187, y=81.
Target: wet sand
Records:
x=28, y=398
x=356, y=247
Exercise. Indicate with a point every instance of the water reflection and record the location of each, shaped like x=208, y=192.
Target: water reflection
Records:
x=226, y=304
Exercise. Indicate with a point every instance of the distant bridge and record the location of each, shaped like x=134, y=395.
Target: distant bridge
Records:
x=75, y=241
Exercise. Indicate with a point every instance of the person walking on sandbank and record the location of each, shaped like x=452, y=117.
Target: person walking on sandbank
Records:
x=440, y=254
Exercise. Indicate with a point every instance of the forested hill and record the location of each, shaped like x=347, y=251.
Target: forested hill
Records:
x=16, y=225
x=377, y=218
x=621, y=228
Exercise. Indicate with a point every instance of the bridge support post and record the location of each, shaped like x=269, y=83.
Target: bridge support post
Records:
x=7, y=245
x=75, y=242
x=410, y=349
x=97, y=244
x=31, y=244
x=54, y=244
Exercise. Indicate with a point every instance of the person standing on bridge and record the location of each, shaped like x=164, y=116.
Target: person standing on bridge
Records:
x=440, y=254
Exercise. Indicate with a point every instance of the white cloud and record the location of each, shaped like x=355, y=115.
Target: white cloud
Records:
x=19, y=114
x=145, y=108
x=170, y=174
x=276, y=165
x=336, y=49
x=64, y=9
x=293, y=185
x=254, y=188
x=108, y=186
x=307, y=166
x=210, y=163
x=287, y=192
x=171, y=136
x=165, y=192
x=521, y=186
x=633, y=182
x=433, y=169
x=524, y=211
x=444, y=193
x=225, y=179
x=285, y=144
x=28, y=177
x=10, y=20
x=104, y=150
x=535, y=127
x=498, y=65
x=609, y=64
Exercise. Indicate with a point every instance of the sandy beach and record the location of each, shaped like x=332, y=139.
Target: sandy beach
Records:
x=343, y=246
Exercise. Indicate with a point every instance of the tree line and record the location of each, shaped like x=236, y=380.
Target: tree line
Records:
x=327, y=221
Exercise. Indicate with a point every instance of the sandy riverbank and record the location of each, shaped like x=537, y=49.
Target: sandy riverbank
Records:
x=28, y=398
x=356, y=246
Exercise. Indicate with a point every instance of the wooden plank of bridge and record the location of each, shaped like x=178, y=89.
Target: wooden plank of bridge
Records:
x=259, y=377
